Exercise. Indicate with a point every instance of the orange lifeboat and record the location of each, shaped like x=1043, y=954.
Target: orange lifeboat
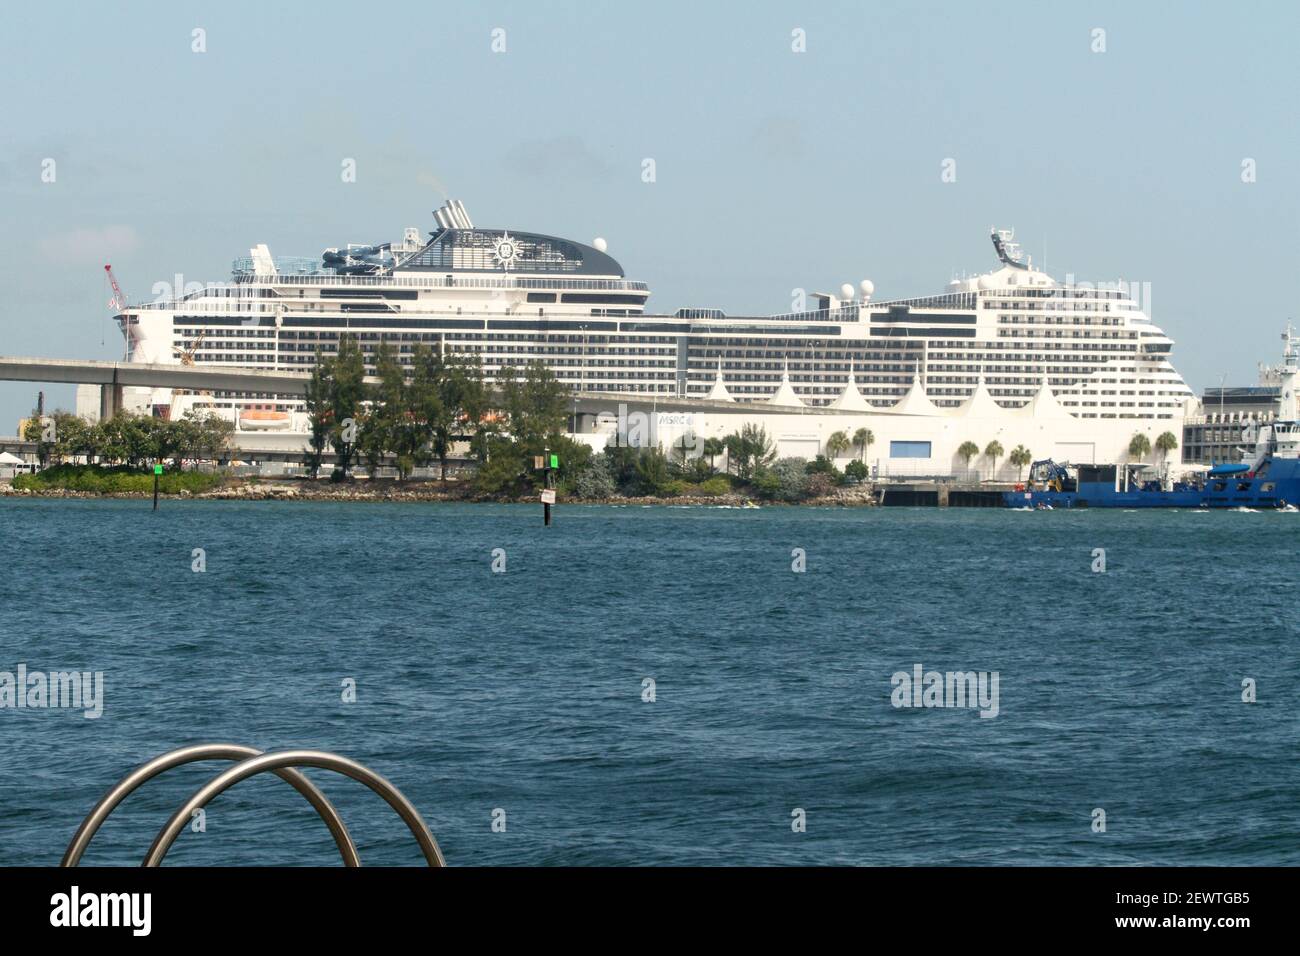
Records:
x=261, y=419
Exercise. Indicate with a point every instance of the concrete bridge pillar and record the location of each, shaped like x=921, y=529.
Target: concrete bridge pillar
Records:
x=110, y=399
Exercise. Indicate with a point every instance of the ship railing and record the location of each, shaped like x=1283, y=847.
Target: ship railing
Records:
x=946, y=300
x=249, y=286
x=444, y=281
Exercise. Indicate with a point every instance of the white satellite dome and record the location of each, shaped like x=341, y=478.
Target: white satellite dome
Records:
x=867, y=287
x=846, y=292
x=955, y=285
x=986, y=282
x=599, y=244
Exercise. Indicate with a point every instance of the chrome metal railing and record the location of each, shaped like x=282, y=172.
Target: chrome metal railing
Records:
x=250, y=762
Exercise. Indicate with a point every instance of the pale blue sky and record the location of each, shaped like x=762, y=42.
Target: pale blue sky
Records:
x=775, y=169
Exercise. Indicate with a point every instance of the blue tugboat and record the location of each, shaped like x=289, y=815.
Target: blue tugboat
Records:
x=1268, y=478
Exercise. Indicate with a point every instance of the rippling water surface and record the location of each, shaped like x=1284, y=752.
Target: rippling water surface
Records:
x=523, y=691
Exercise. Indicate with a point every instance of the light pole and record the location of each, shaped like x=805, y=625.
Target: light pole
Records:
x=1222, y=378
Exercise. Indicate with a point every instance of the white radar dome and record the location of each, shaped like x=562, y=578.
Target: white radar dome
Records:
x=867, y=286
x=846, y=292
x=986, y=282
x=599, y=244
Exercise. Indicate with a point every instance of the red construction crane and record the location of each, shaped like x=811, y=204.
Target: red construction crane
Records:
x=118, y=302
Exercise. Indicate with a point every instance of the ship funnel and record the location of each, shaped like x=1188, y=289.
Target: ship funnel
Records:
x=263, y=264
x=461, y=214
x=452, y=215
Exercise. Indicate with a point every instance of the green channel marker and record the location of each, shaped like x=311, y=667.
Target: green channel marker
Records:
x=157, y=469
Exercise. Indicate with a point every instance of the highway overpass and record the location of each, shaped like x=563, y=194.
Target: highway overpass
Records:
x=112, y=377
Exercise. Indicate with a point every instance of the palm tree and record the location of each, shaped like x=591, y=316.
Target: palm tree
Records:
x=749, y=451
x=993, y=452
x=1021, y=456
x=1140, y=446
x=713, y=447
x=967, y=451
x=837, y=443
x=862, y=438
x=1165, y=444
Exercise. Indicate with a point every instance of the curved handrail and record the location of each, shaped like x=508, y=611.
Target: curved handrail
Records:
x=296, y=758
x=147, y=771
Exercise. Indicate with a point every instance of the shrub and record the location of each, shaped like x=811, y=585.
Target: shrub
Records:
x=856, y=470
x=503, y=472
x=767, y=485
x=790, y=476
x=595, y=481
x=697, y=470
x=821, y=465
x=651, y=472
x=97, y=479
x=676, y=488
x=713, y=488
x=818, y=485
x=621, y=462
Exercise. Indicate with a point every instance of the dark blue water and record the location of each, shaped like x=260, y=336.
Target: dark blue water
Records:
x=523, y=690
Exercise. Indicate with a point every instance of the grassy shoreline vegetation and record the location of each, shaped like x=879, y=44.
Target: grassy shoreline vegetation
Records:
x=117, y=480
x=418, y=416
x=116, y=456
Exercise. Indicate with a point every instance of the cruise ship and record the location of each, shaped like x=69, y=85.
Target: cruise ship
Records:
x=509, y=297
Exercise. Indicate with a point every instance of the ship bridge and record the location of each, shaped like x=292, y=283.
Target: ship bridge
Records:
x=459, y=246
x=500, y=250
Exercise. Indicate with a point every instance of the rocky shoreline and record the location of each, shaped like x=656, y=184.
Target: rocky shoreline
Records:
x=391, y=491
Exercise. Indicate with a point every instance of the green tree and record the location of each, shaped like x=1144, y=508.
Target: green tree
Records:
x=784, y=480
x=1020, y=457
x=682, y=449
x=502, y=469
x=379, y=418
x=536, y=405
x=621, y=462
x=58, y=436
x=863, y=438
x=595, y=481
x=461, y=403
x=347, y=391
x=749, y=451
x=1139, y=446
x=713, y=447
x=993, y=451
x=319, y=412
x=1165, y=444
x=535, y=410
x=967, y=451
x=206, y=435
x=837, y=444
x=856, y=470
x=652, y=475
x=821, y=465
